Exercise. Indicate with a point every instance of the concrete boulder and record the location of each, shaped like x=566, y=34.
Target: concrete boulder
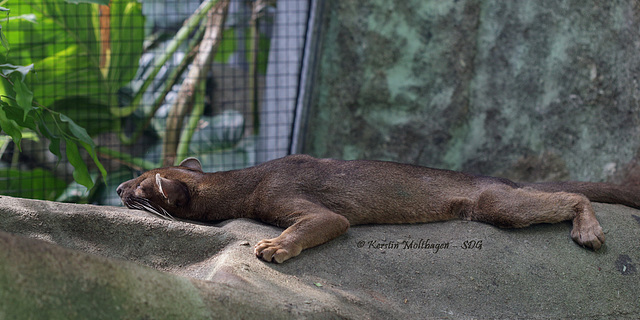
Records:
x=78, y=261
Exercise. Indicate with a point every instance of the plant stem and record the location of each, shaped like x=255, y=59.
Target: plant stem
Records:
x=196, y=74
x=189, y=25
x=253, y=65
x=127, y=159
x=166, y=88
x=194, y=120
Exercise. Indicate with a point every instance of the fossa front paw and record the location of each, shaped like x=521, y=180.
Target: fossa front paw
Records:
x=274, y=250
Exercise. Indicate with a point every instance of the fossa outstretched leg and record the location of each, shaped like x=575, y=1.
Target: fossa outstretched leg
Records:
x=510, y=207
x=307, y=225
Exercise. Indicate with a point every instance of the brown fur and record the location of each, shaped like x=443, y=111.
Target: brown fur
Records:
x=317, y=200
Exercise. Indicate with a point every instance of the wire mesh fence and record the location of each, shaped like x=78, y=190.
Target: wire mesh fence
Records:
x=151, y=82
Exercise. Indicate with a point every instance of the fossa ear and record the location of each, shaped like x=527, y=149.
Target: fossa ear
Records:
x=173, y=191
x=191, y=163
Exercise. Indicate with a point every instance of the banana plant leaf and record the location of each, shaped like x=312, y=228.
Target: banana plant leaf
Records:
x=77, y=71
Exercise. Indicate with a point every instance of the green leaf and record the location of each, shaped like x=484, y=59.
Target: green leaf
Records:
x=87, y=113
x=3, y=40
x=10, y=127
x=54, y=147
x=9, y=69
x=43, y=126
x=78, y=132
x=92, y=153
x=103, y=2
x=30, y=17
x=226, y=47
x=86, y=142
x=80, y=172
x=15, y=113
x=127, y=37
x=65, y=46
x=24, y=96
x=54, y=139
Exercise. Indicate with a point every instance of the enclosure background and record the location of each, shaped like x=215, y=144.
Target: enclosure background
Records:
x=528, y=90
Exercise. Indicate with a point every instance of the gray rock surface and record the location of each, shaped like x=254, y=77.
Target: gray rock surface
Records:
x=529, y=90
x=80, y=261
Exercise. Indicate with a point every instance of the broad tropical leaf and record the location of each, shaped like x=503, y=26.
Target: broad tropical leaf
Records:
x=104, y=2
x=68, y=49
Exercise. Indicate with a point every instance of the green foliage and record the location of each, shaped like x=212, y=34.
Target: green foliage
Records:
x=73, y=65
x=60, y=80
x=127, y=37
x=10, y=127
x=81, y=173
x=70, y=76
x=229, y=44
x=104, y=2
x=22, y=94
x=17, y=114
x=67, y=50
x=41, y=183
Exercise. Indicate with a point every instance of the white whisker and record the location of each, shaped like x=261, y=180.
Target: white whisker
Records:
x=144, y=204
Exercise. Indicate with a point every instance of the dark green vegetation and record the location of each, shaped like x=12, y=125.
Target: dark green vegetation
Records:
x=73, y=84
